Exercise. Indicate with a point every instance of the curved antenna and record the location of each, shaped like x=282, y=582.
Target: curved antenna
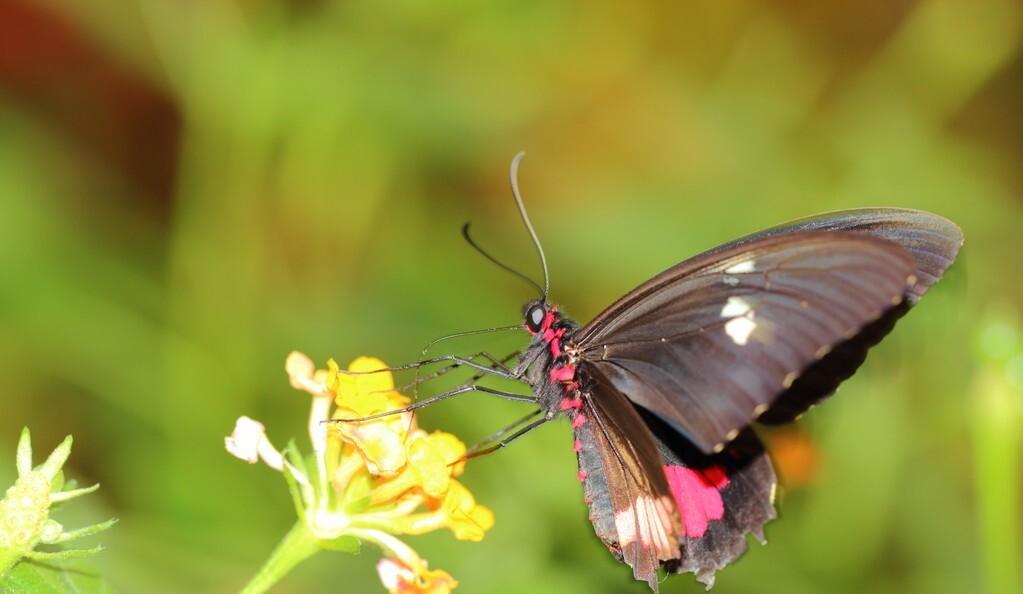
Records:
x=485, y=254
x=513, y=173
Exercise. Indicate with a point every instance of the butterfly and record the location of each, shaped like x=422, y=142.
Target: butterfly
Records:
x=663, y=387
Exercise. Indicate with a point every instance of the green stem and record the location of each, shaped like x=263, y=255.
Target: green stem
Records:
x=8, y=559
x=297, y=546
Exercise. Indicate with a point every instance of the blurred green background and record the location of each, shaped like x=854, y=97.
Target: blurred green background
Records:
x=190, y=190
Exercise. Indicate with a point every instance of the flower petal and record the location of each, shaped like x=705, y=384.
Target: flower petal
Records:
x=244, y=440
x=302, y=374
x=467, y=519
x=366, y=393
x=398, y=578
x=249, y=442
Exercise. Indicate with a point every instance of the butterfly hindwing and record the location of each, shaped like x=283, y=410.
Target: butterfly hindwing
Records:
x=656, y=500
x=722, y=498
x=710, y=343
x=630, y=502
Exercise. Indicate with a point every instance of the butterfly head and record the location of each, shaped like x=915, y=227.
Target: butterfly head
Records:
x=539, y=316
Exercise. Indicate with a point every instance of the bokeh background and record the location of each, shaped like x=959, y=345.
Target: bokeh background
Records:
x=190, y=190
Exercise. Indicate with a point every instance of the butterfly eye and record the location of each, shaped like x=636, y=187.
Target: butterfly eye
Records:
x=534, y=318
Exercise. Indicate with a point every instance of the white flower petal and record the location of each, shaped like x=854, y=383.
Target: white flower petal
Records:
x=244, y=442
x=301, y=374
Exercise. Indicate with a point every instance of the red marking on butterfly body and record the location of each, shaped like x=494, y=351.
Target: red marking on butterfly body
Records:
x=553, y=338
x=571, y=403
x=548, y=320
x=698, y=496
x=550, y=336
x=563, y=373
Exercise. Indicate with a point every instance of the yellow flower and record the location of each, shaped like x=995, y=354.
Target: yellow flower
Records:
x=380, y=441
x=457, y=511
x=432, y=460
x=368, y=481
x=350, y=388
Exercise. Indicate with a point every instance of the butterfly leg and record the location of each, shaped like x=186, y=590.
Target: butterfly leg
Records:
x=501, y=433
x=442, y=396
x=501, y=371
x=500, y=364
x=507, y=440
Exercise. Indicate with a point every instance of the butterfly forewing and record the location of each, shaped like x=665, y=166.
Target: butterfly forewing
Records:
x=822, y=377
x=708, y=344
x=932, y=240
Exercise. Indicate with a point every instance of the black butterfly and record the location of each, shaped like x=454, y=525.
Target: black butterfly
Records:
x=662, y=386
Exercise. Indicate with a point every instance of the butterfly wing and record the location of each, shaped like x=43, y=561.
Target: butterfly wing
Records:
x=630, y=502
x=655, y=499
x=934, y=243
x=765, y=326
x=721, y=497
x=709, y=344
x=932, y=240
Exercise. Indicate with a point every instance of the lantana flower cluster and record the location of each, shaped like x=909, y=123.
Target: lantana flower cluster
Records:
x=368, y=481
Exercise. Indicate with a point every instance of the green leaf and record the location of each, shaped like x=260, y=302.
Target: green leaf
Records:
x=58, y=577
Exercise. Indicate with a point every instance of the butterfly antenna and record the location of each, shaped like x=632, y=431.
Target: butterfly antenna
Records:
x=514, y=175
x=488, y=256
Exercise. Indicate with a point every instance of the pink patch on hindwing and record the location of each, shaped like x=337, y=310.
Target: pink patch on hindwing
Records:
x=698, y=496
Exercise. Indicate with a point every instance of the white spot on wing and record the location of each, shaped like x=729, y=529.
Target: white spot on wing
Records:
x=625, y=524
x=736, y=306
x=648, y=521
x=740, y=329
x=741, y=326
x=744, y=266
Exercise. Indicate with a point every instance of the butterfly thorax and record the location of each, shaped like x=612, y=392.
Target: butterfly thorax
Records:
x=552, y=359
